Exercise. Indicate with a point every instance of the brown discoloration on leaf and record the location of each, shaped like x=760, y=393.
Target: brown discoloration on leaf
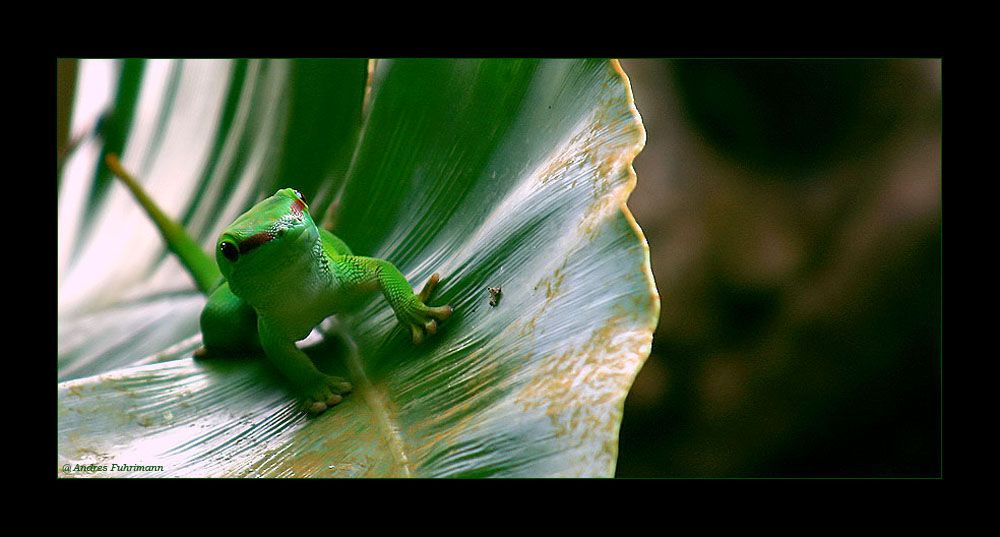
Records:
x=308, y=452
x=577, y=388
x=86, y=455
x=552, y=284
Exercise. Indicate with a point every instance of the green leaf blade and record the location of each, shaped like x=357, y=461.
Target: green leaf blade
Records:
x=491, y=173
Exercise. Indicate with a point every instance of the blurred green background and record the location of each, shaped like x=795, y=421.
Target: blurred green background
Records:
x=793, y=214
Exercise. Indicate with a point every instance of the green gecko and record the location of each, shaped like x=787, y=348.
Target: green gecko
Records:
x=278, y=275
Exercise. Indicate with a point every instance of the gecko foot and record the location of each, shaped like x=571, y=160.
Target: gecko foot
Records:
x=422, y=318
x=325, y=392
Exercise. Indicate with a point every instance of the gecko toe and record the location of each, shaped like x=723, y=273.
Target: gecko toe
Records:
x=432, y=282
x=441, y=312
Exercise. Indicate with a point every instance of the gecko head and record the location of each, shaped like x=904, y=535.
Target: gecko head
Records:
x=272, y=234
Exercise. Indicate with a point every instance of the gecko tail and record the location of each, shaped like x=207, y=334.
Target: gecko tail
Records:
x=199, y=265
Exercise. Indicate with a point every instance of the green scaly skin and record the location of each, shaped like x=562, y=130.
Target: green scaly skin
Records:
x=281, y=276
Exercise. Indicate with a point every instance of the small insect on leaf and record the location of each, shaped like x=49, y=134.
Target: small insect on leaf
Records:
x=495, y=294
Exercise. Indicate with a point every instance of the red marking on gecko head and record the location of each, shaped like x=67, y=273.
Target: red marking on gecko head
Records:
x=254, y=241
x=297, y=207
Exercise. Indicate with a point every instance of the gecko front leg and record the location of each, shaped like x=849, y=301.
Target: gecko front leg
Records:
x=319, y=390
x=359, y=273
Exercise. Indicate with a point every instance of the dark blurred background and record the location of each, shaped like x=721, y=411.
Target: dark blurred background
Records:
x=793, y=214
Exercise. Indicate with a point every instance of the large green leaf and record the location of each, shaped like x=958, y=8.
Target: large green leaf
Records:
x=492, y=173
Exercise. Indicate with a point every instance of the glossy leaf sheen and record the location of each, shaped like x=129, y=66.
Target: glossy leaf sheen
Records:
x=492, y=173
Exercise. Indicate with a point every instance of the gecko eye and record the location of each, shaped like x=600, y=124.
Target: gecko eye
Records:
x=301, y=197
x=230, y=251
